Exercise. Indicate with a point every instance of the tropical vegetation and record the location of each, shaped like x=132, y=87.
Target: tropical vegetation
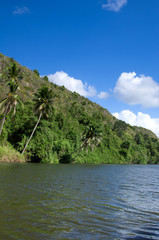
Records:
x=55, y=125
x=9, y=103
x=43, y=101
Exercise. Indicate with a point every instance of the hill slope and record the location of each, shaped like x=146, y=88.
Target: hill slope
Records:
x=60, y=135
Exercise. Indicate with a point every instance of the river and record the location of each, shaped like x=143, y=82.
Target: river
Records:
x=87, y=202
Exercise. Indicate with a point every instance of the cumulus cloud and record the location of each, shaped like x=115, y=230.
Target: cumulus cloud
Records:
x=134, y=90
x=140, y=120
x=21, y=10
x=72, y=84
x=114, y=5
x=103, y=95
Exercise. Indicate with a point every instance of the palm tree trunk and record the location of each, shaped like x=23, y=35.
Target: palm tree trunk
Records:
x=3, y=120
x=32, y=133
x=79, y=149
x=77, y=154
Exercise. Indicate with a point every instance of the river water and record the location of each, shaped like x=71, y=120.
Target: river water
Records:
x=94, y=202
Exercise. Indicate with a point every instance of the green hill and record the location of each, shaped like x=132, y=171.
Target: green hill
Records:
x=61, y=134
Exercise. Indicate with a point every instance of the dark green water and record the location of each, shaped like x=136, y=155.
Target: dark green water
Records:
x=79, y=202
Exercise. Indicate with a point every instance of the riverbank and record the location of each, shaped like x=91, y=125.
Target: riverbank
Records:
x=9, y=155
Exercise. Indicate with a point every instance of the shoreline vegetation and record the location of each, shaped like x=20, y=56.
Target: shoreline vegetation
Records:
x=9, y=155
x=45, y=123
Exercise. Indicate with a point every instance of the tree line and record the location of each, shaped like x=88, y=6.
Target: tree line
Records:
x=43, y=102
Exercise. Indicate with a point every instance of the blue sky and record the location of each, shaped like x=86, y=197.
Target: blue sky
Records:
x=107, y=50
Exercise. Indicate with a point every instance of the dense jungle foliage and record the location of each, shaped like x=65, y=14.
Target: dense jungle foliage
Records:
x=77, y=130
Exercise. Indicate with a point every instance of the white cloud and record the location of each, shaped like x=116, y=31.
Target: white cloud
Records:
x=137, y=90
x=103, y=95
x=140, y=120
x=72, y=84
x=21, y=11
x=114, y=5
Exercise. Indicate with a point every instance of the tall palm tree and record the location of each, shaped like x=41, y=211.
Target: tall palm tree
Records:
x=11, y=74
x=43, y=101
x=92, y=137
x=9, y=102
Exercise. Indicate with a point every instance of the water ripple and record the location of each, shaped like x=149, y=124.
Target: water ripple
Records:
x=79, y=202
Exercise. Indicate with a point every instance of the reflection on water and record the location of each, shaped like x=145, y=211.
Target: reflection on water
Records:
x=79, y=202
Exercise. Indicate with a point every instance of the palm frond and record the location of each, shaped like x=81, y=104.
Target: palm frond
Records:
x=43, y=100
x=92, y=136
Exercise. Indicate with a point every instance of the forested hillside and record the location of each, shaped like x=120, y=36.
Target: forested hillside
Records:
x=73, y=130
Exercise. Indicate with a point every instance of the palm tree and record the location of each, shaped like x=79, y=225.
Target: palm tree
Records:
x=12, y=72
x=92, y=137
x=43, y=101
x=12, y=75
x=9, y=102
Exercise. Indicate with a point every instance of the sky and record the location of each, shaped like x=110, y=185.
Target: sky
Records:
x=106, y=50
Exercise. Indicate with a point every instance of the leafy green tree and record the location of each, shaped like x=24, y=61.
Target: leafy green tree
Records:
x=120, y=127
x=138, y=138
x=125, y=144
x=9, y=103
x=36, y=72
x=43, y=101
x=46, y=78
